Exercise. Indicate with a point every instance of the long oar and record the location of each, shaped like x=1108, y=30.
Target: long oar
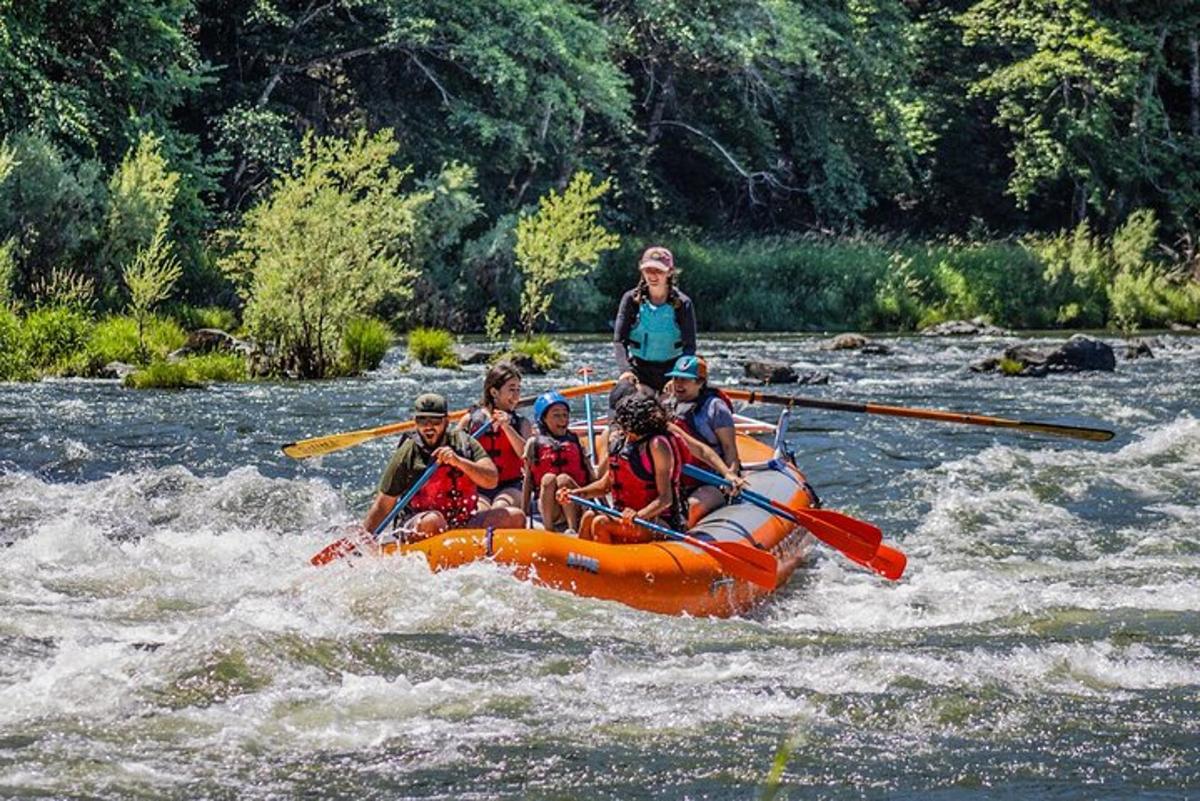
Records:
x=330, y=443
x=1078, y=432
x=857, y=540
x=736, y=558
x=346, y=546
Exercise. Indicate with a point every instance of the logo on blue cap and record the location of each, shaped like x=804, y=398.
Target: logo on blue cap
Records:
x=689, y=367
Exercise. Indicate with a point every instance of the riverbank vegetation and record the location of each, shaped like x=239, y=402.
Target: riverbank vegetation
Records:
x=297, y=170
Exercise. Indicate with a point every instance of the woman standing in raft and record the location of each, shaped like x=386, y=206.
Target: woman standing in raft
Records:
x=554, y=460
x=655, y=324
x=504, y=441
x=706, y=414
x=643, y=473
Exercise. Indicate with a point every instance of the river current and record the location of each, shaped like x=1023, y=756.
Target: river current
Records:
x=162, y=634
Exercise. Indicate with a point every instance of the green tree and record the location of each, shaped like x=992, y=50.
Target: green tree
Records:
x=327, y=245
x=77, y=70
x=142, y=191
x=51, y=206
x=1078, y=86
x=149, y=277
x=561, y=241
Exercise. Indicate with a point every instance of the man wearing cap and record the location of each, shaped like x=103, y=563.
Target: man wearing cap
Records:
x=448, y=498
x=705, y=413
x=655, y=323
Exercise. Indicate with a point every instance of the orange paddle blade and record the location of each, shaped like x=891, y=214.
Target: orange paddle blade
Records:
x=889, y=563
x=346, y=546
x=742, y=561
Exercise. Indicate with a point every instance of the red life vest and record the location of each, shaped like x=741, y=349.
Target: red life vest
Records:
x=687, y=421
x=449, y=491
x=554, y=455
x=633, y=483
x=508, y=462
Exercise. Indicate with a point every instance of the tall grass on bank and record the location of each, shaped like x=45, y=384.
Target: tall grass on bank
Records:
x=540, y=349
x=1071, y=279
x=14, y=356
x=433, y=347
x=115, y=339
x=193, y=371
x=364, y=344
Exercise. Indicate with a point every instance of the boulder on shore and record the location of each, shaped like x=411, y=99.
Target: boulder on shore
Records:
x=770, y=372
x=470, y=355
x=117, y=370
x=1078, y=354
x=524, y=363
x=975, y=327
x=856, y=342
x=1139, y=349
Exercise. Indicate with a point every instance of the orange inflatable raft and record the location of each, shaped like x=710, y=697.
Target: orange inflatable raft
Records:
x=666, y=577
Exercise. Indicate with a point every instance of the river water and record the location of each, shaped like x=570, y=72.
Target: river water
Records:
x=162, y=634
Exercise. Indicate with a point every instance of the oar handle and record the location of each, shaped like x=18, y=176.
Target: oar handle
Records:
x=416, y=487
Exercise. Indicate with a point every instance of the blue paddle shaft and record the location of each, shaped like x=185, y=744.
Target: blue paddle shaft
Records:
x=416, y=487
x=761, y=501
x=611, y=512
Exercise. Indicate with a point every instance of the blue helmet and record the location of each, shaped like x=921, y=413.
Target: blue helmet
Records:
x=545, y=401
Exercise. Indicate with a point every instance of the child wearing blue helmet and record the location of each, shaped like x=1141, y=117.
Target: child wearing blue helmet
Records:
x=554, y=460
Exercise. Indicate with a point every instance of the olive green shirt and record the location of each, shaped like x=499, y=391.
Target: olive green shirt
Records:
x=412, y=457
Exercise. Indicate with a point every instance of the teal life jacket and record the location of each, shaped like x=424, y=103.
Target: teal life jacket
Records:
x=656, y=336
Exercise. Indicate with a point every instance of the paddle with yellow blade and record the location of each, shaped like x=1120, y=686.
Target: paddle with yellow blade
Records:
x=331, y=443
x=736, y=558
x=1034, y=427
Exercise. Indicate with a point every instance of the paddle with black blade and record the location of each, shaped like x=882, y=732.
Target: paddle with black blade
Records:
x=347, y=545
x=1034, y=427
x=857, y=540
x=736, y=558
x=331, y=443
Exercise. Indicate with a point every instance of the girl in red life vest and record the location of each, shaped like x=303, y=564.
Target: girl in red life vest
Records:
x=696, y=450
x=705, y=413
x=642, y=473
x=504, y=441
x=554, y=460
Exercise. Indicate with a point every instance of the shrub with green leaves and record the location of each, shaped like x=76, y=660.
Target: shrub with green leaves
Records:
x=432, y=347
x=194, y=317
x=541, y=349
x=364, y=344
x=14, y=356
x=328, y=245
x=217, y=367
x=163, y=375
x=54, y=335
x=51, y=205
x=115, y=339
x=191, y=372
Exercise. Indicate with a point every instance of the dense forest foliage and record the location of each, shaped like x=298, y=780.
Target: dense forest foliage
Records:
x=401, y=141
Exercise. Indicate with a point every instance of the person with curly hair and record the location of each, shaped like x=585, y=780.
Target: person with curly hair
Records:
x=642, y=472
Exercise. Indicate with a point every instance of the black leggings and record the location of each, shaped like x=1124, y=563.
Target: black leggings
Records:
x=652, y=374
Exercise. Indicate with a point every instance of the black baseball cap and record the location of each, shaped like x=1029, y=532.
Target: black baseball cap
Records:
x=430, y=404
